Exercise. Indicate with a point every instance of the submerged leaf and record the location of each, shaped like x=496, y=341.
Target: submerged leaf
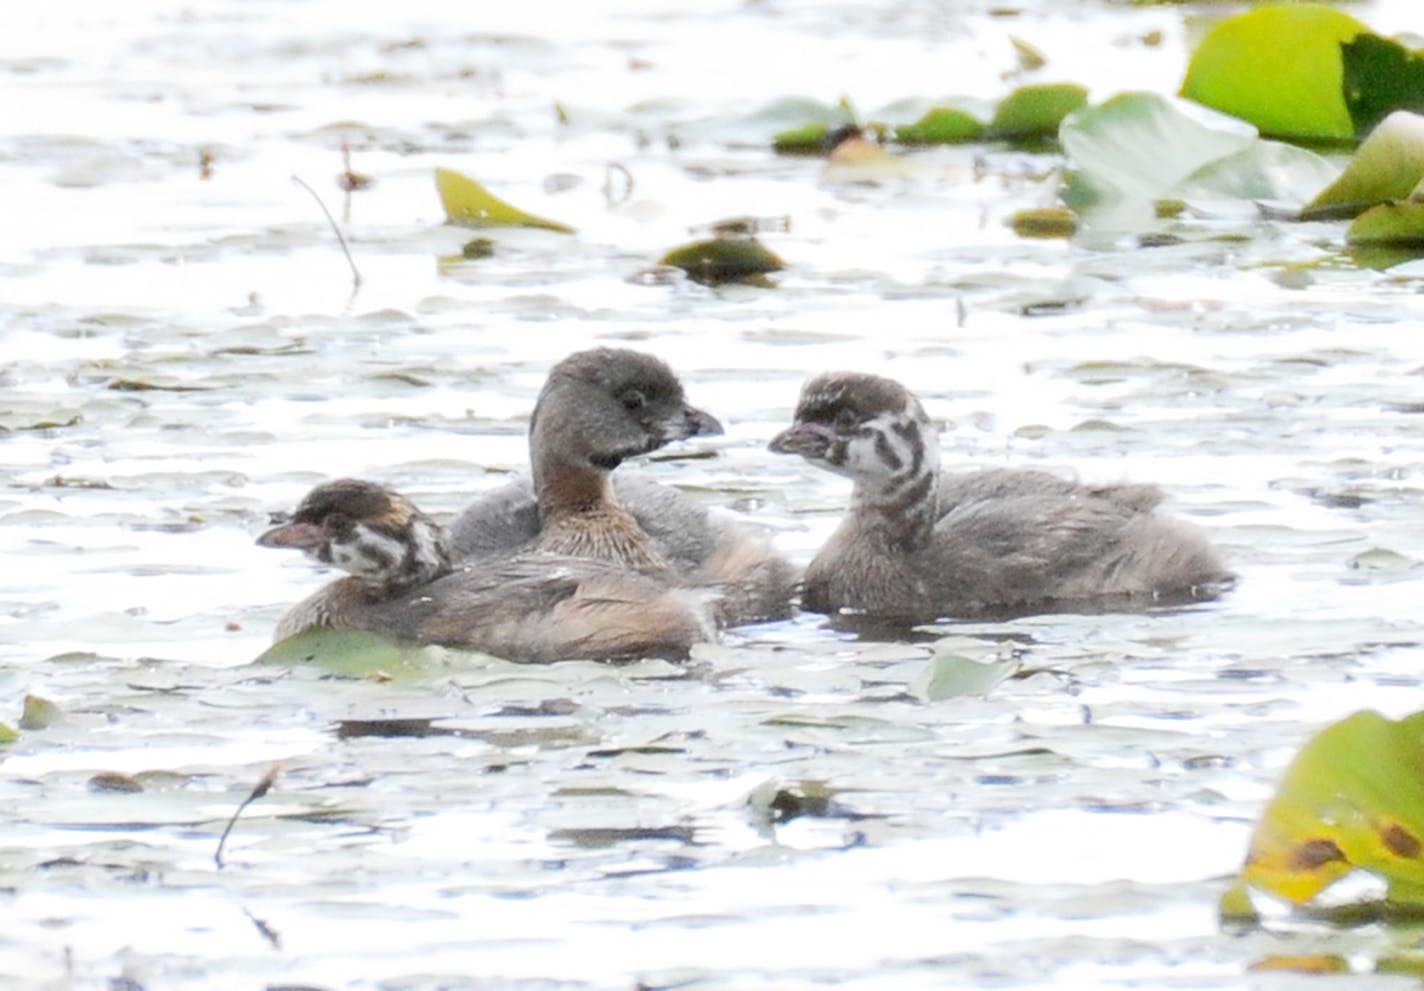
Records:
x=1278, y=67
x=469, y=204
x=1380, y=77
x=1353, y=798
x=962, y=666
x=724, y=259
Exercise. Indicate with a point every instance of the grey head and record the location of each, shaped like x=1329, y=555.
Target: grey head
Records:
x=373, y=534
x=868, y=428
x=602, y=406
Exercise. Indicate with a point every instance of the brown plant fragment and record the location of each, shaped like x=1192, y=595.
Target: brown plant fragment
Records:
x=1400, y=841
x=1314, y=854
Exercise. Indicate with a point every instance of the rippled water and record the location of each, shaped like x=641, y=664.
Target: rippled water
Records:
x=185, y=355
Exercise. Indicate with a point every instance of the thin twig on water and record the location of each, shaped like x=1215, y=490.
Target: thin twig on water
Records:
x=355, y=272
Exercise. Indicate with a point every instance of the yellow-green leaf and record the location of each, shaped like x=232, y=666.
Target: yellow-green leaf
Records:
x=1278, y=67
x=1045, y=222
x=469, y=204
x=359, y=654
x=1353, y=799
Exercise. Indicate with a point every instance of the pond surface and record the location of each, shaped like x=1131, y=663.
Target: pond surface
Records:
x=184, y=355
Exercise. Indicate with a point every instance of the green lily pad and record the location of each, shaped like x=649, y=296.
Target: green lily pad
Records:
x=941, y=126
x=1380, y=77
x=1388, y=166
x=724, y=259
x=1353, y=799
x=360, y=654
x=1035, y=111
x=961, y=666
x=1278, y=67
x=1396, y=225
x=469, y=204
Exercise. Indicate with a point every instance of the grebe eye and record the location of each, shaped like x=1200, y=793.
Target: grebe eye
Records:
x=633, y=400
x=845, y=418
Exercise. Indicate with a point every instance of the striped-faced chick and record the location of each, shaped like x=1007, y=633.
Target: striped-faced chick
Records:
x=377, y=536
x=875, y=432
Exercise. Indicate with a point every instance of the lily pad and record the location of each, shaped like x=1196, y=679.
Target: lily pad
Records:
x=39, y=713
x=1278, y=67
x=360, y=654
x=1388, y=166
x=1397, y=225
x=941, y=126
x=1353, y=799
x=1135, y=148
x=469, y=204
x=724, y=259
x=953, y=675
x=1380, y=76
x=1035, y=111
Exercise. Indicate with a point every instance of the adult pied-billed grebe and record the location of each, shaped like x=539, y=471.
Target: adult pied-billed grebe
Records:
x=598, y=408
x=526, y=607
x=918, y=543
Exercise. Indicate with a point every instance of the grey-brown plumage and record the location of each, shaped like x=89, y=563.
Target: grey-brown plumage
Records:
x=598, y=408
x=527, y=607
x=919, y=543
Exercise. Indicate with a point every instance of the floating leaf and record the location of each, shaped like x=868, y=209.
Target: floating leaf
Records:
x=957, y=669
x=1134, y=149
x=1278, y=67
x=39, y=713
x=1395, y=225
x=724, y=259
x=7, y=734
x=1388, y=166
x=468, y=204
x=359, y=654
x=1035, y=111
x=1353, y=798
x=941, y=126
x=1046, y=223
x=1380, y=76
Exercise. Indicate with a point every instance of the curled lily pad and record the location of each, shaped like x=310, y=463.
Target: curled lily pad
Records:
x=724, y=259
x=1278, y=67
x=1388, y=166
x=469, y=204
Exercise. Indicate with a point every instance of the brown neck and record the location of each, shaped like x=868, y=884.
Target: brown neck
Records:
x=580, y=516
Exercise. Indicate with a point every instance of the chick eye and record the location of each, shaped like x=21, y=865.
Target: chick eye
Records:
x=845, y=418
x=633, y=400
x=337, y=523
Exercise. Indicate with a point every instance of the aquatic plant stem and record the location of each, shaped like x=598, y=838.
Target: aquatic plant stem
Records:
x=355, y=272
